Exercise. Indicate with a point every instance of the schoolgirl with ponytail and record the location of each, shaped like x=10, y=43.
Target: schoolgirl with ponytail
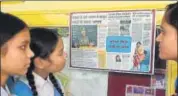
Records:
x=48, y=58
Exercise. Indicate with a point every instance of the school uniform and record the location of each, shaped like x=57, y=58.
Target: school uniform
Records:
x=7, y=90
x=176, y=86
x=43, y=87
x=3, y=92
x=10, y=83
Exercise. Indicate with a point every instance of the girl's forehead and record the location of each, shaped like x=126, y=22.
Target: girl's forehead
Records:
x=21, y=37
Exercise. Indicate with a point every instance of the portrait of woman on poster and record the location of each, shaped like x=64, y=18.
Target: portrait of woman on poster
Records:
x=139, y=55
x=118, y=58
x=84, y=40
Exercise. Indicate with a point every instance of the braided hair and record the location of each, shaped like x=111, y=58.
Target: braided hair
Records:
x=42, y=46
x=31, y=81
x=55, y=84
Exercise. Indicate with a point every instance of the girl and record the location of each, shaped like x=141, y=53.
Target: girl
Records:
x=15, y=50
x=168, y=36
x=49, y=58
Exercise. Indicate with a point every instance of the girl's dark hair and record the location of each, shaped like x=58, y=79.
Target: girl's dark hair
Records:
x=139, y=43
x=43, y=43
x=171, y=15
x=9, y=27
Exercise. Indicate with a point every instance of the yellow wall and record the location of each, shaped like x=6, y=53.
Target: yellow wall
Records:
x=45, y=19
x=39, y=13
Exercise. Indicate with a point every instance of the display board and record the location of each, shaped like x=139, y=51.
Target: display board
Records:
x=121, y=41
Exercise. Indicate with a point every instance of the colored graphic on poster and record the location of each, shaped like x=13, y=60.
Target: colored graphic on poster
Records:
x=158, y=81
x=134, y=90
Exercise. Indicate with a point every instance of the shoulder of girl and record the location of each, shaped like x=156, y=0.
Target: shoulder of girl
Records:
x=60, y=84
x=21, y=89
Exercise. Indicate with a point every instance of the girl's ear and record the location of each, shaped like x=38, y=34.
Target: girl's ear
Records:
x=4, y=50
x=39, y=63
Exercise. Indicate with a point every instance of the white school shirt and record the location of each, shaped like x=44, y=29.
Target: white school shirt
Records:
x=44, y=87
x=3, y=92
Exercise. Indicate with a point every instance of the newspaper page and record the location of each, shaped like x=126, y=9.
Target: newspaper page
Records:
x=116, y=41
